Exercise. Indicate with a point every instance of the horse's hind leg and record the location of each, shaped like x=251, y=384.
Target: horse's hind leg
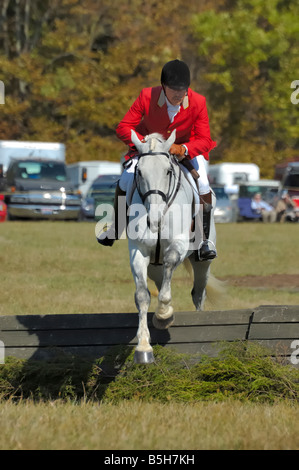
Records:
x=201, y=270
x=143, y=351
x=155, y=273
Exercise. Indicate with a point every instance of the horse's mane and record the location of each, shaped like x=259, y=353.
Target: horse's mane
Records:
x=153, y=139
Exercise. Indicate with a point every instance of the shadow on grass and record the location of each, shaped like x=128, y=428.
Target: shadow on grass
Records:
x=70, y=356
x=63, y=377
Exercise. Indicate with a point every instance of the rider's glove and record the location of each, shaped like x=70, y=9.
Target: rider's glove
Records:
x=178, y=150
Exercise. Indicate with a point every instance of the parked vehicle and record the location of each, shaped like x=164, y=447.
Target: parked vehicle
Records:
x=290, y=179
x=226, y=208
x=35, y=182
x=281, y=168
x=269, y=191
x=3, y=209
x=82, y=174
x=231, y=175
x=13, y=149
x=100, y=192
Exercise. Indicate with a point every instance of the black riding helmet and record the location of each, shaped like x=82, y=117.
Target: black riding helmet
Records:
x=176, y=75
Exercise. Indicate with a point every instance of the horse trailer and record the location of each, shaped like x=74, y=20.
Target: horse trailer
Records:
x=231, y=175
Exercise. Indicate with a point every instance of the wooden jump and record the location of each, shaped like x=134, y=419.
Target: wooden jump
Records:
x=41, y=337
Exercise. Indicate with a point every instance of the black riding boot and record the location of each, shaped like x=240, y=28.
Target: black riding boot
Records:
x=205, y=252
x=119, y=224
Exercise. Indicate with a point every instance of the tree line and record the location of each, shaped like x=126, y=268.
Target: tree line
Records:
x=72, y=68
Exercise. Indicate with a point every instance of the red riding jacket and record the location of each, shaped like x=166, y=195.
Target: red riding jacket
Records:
x=148, y=114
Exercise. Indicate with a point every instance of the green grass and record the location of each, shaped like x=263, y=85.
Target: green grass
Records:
x=53, y=267
x=239, y=372
x=256, y=248
x=241, y=400
x=242, y=372
x=148, y=426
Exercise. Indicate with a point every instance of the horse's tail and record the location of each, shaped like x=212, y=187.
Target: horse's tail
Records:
x=215, y=288
x=188, y=266
x=152, y=289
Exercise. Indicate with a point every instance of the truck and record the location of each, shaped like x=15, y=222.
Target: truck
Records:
x=83, y=174
x=34, y=181
x=230, y=175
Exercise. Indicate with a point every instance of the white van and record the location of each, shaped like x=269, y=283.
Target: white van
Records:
x=230, y=175
x=16, y=150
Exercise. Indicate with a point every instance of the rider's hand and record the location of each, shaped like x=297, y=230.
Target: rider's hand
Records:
x=178, y=150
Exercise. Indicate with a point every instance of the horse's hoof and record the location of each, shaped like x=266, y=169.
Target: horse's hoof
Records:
x=164, y=313
x=144, y=357
x=162, y=324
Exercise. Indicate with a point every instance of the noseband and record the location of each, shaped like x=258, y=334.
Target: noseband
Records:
x=170, y=196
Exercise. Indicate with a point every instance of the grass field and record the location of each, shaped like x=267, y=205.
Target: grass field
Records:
x=139, y=426
x=60, y=268
x=49, y=267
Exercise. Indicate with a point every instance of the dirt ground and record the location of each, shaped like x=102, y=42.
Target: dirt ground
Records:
x=273, y=281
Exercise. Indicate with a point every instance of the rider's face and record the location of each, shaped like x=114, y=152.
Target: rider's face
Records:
x=175, y=97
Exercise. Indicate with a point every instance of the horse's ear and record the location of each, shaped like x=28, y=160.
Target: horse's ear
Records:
x=171, y=139
x=135, y=140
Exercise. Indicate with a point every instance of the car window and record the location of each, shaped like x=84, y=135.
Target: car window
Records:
x=103, y=183
x=220, y=193
x=41, y=170
x=250, y=191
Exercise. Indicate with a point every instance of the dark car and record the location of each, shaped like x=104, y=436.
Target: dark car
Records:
x=100, y=192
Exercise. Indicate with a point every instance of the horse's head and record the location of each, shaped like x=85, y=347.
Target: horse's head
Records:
x=153, y=142
x=155, y=175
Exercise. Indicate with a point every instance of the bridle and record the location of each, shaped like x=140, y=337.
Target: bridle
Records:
x=171, y=193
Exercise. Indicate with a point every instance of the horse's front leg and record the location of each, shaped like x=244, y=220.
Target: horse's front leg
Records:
x=144, y=351
x=163, y=317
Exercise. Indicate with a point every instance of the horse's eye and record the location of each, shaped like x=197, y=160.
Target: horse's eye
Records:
x=169, y=171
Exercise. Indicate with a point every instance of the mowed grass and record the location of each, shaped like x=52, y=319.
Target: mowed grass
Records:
x=59, y=268
x=148, y=426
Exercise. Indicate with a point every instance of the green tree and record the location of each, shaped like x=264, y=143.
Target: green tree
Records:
x=73, y=68
x=248, y=56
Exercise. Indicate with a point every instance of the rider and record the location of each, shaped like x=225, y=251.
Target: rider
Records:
x=161, y=109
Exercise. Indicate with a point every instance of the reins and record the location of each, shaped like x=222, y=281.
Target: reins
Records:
x=167, y=198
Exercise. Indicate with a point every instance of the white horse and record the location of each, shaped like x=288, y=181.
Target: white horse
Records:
x=159, y=238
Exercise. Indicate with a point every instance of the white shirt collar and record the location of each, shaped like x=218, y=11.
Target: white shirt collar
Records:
x=172, y=109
